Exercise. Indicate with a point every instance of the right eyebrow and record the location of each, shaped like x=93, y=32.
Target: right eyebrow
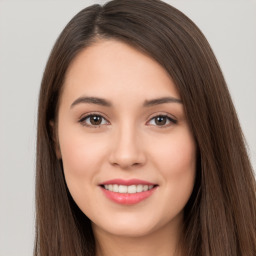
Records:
x=163, y=100
x=91, y=100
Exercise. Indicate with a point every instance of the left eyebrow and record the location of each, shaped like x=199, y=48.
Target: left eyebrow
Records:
x=153, y=102
x=91, y=100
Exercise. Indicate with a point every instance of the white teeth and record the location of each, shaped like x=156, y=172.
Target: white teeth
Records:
x=122, y=189
x=145, y=187
x=132, y=189
x=128, y=189
x=139, y=188
x=114, y=188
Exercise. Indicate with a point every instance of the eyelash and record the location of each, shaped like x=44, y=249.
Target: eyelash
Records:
x=171, y=120
x=83, y=119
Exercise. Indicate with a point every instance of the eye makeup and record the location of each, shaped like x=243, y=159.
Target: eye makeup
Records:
x=95, y=120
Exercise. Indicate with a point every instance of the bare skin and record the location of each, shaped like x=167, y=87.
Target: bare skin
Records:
x=165, y=244
x=110, y=126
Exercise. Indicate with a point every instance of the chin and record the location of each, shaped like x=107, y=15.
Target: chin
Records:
x=127, y=229
x=133, y=225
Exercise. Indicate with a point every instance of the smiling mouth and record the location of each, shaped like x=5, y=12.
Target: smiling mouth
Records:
x=128, y=195
x=128, y=192
x=131, y=189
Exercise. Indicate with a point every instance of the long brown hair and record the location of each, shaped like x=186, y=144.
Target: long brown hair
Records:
x=220, y=216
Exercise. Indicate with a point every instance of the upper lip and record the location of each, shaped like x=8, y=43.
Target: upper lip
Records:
x=127, y=182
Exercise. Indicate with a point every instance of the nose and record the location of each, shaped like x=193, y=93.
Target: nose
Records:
x=127, y=149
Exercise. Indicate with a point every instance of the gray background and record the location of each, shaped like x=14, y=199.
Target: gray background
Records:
x=28, y=30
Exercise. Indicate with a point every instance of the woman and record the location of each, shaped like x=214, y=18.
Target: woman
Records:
x=139, y=149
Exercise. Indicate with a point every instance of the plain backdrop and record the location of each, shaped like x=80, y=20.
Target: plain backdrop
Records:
x=28, y=30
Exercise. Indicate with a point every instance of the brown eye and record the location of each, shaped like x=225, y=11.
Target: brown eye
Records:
x=162, y=120
x=93, y=120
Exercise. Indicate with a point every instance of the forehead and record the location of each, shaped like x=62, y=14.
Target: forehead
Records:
x=113, y=69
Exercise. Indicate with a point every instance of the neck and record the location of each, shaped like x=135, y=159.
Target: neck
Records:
x=164, y=242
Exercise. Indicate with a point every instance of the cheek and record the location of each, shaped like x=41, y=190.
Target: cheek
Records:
x=80, y=153
x=82, y=156
x=76, y=158
x=176, y=162
x=178, y=156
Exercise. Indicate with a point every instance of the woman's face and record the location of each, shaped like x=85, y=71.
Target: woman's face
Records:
x=128, y=154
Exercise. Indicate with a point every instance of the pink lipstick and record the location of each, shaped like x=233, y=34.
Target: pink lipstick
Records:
x=128, y=192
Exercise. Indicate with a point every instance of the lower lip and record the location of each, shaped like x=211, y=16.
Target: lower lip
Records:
x=126, y=198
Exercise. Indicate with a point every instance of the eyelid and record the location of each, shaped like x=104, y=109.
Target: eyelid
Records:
x=87, y=115
x=171, y=118
x=163, y=114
